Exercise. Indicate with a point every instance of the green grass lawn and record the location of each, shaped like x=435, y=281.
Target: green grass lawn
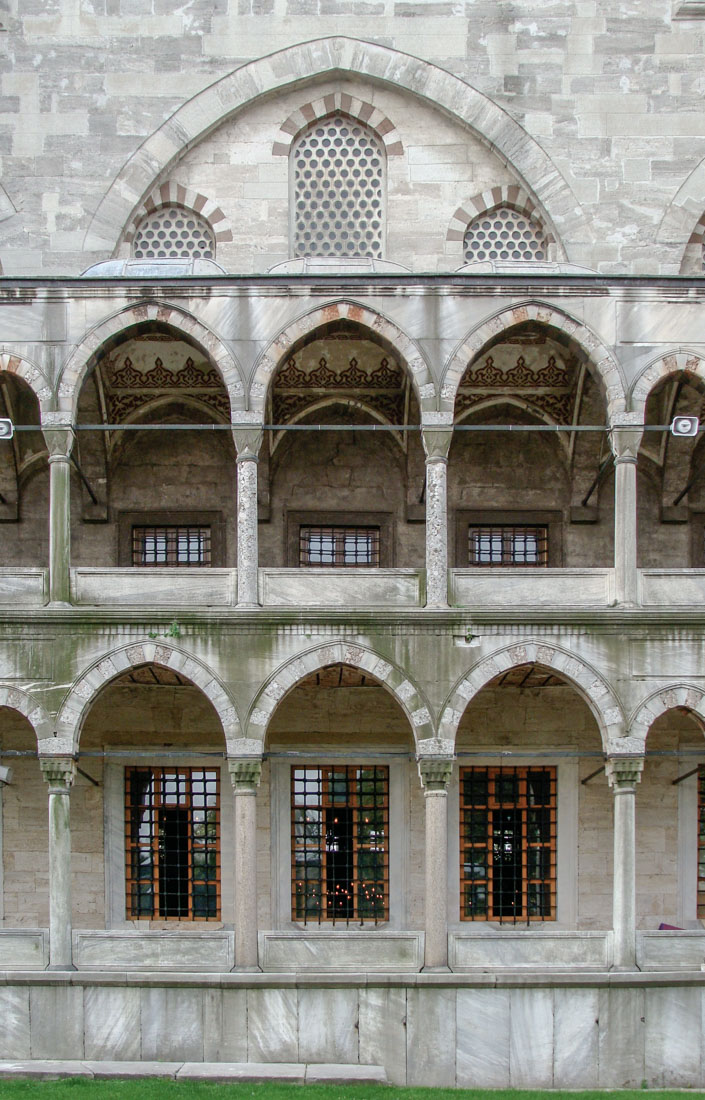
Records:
x=82, y=1089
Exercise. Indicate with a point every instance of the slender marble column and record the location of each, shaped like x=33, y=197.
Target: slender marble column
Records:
x=436, y=443
x=623, y=775
x=435, y=769
x=625, y=442
x=247, y=442
x=59, y=443
x=59, y=773
x=245, y=776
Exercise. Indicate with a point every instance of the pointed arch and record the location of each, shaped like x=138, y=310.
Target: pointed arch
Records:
x=358, y=109
x=367, y=318
x=31, y=374
x=686, y=696
x=309, y=61
x=609, y=373
x=173, y=317
x=682, y=216
x=680, y=359
x=82, y=695
x=588, y=683
x=16, y=699
x=518, y=198
x=171, y=193
x=288, y=675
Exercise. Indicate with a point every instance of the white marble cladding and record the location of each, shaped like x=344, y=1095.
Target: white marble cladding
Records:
x=155, y=587
x=341, y=587
x=532, y=587
x=24, y=949
x=672, y=587
x=492, y=950
x=345, y=951
x=206, y=951
x=666, y=950
x=23, y=587
x=561, y=1031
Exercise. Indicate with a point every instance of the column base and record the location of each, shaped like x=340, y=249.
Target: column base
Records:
x=59, y=604
x=625, y=969
x=248, y=606
x=61, y=966
x=436, y=970
x=246, y=970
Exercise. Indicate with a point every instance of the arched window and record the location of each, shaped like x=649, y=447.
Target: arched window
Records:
x=337, y=187
x=504, y=234
x=173, y=233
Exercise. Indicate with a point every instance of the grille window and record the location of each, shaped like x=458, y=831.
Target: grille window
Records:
x=340, y=844
x=508, y=844
x=171, y=546
x=172, y=843
x=503, y=544
x=504, y=234
x=338, y=190
x=331, y=546
x=173, y=233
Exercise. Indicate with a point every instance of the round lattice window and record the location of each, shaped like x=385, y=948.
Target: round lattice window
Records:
x=173, y=234
x=338, y=190
x=503, y=234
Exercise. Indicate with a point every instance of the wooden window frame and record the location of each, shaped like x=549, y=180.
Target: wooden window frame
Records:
x=552, y=521
x=381, y=520
x=128, y=520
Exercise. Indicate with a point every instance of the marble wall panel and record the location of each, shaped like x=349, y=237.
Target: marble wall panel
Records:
x=56, y=1021
x=382, y=1030
x=328, y=1025
x=225, y=1025
x=431, y=1036
x=483, y=1038
x=172, y=1024
x=621, y=1037
x=531, y=1038
x=272, y=1025
x=673, y=1037
x=112, y=1023
x=14, y=1013
x=575, y=1038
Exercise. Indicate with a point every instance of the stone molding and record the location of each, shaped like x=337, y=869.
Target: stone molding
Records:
x=589, y=684
x=338, y=103
x=608, y=371
x=245, y=773
x=174, y=193
x=435, y=772
x=77, y=365
x=410, y=355
x=59, y=772
x=502, y=195
x=36, y=715
x=624, y=772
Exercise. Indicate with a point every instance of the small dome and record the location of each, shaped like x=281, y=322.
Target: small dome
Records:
x=523, y=267
x=337, y=265
x=152, y=269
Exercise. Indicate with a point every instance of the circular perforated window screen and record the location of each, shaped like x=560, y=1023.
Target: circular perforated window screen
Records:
x=173, y=233
x=504, y=235
x=338, y=190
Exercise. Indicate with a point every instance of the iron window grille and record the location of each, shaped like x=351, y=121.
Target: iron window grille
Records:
x=339, y=546
x=508, y=844
x=340, y=844
x=172, y=843
x=185, y=546
x=505, y=544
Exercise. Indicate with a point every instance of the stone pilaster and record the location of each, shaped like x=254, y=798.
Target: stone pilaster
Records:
x=247, y=441
x=59, y=773
x=436, y=441
x=435, y=761
x=623, y=774
x=245, y=776
x=625, y=439
x=59, y=441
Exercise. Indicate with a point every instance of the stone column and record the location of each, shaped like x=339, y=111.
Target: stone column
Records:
x=59, y=773
x=625, y=441
x=436, y=441
x=435, y=760
x=245, y=776
x=247, y=442
x=59, y=442
x=623, y=774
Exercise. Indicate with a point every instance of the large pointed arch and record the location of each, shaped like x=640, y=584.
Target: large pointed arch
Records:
x=77, y=703
x=407, y=694
x=375, y=322
x=16, y=699
x=172, y=317
x=684, y=211
x=609, y=374
x=588, y=683
x=309, y=61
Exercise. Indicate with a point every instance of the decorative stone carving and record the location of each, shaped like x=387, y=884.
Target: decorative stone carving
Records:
x=245, y=774
x=59, y=772
x=624, y=772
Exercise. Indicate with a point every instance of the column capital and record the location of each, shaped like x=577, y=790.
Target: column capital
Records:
x=625, y=432
x=59, y=439
x=248, y=440
x=624, y=772
x=245, y=773
x=59, y=772
x=435, y=758
x=437, y=436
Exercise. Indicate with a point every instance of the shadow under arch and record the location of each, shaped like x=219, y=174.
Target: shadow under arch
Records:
x=587, y=682
x=31, y=374
x=679, y=359
x=606, y=368
x=307, y=61
x=368, y=320
x=77, y=703
x=675, y=697
x=165, y=317
x=289, y=675
x=16, y=699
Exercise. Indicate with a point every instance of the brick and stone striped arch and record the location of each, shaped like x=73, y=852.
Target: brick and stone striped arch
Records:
x=606, y=368
x=24, y=704
x=340, y=57
x=680, y=359
x=172, y=193
x=173, y=318
x=378, y=325
x=338, y=103
x=285, y=679
x=588, y=683
x=682, y=696
x=502, y=195
x=84, y=691
x=29, y=373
